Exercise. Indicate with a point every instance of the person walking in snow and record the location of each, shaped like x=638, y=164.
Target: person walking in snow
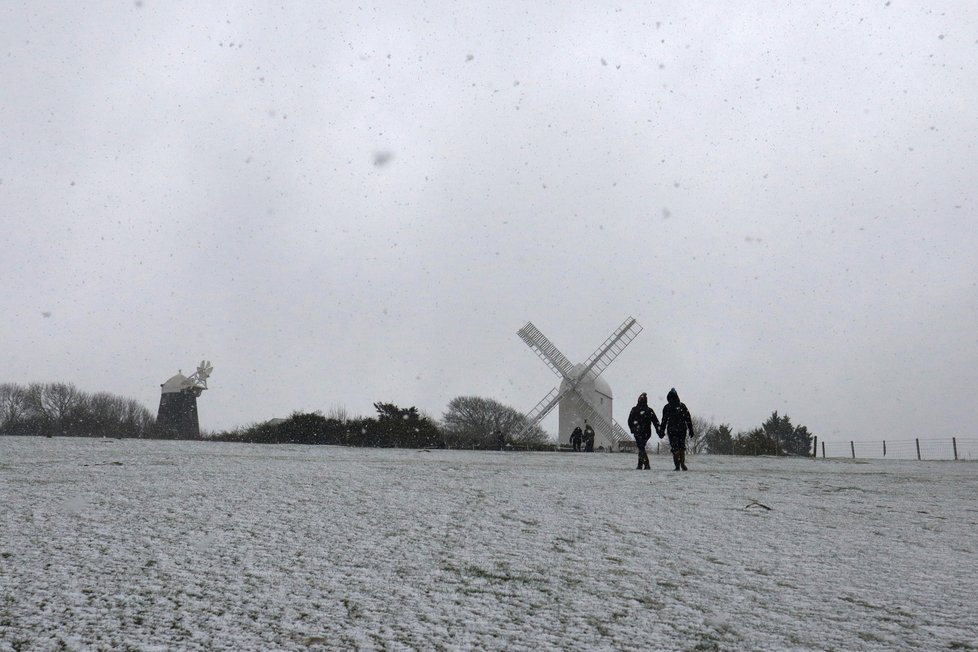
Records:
x=576, y=438
x=676, y=422
x=640, y=422
x=588, y=437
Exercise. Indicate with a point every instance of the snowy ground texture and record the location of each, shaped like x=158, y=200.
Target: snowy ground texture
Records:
x=152, y=545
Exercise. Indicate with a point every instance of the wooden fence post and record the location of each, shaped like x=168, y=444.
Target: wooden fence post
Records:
x=853, y=447
x=823, y=450
x=815, y=447
x=954, y=442
x=884, y=448
x=918, y=449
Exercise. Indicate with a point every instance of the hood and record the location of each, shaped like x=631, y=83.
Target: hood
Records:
x=673, y=397
x=643, y=399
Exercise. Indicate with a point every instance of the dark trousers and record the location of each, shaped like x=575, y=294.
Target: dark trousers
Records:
x=643, y=457
x=677, y=442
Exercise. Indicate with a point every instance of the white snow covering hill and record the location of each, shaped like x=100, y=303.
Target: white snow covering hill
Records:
x=154, y=545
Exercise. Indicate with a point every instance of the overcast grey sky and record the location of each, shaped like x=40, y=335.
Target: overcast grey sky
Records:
x=339, y=203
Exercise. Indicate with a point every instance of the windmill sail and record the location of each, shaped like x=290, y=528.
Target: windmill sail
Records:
x=544, y=348
x=577, y=395
x=542, y=409
x=614, y=431
x=609, y=350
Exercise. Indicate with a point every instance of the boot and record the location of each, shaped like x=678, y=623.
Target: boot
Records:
x=643, y=460
x=682, y=460
x=675, y=460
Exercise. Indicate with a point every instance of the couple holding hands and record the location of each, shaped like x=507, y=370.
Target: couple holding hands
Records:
x=676, y=422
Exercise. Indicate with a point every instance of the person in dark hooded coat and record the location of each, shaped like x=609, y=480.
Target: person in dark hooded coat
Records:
x=676, y=422
x=577, y=436
x=640, y=422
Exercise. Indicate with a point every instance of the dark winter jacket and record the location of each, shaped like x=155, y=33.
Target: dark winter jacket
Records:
x=676, y=420
x=577, y=435
x=588, y=433
x=641, y=419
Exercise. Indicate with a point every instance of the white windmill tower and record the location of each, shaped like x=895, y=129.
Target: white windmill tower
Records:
x=177, y=416
x=583, y=394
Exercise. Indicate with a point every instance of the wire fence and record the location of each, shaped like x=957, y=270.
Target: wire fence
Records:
x=952, y=448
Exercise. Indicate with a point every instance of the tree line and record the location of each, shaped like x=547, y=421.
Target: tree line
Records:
x=393, y=427
x=776, y=436
x=469, y=422
x=62, y=410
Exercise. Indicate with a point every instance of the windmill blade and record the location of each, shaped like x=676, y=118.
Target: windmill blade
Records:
x=546, y=350
x=619, y=433
x=609, y=350
x=615, y=432
x=542, y=409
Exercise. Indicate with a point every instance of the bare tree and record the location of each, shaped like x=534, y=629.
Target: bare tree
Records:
x=474, y=421
x=62, y=409
x=701, y=426
x=337, y=412
x=137, y=420
x=35, y=419
x=58, y=401
x=12, y=407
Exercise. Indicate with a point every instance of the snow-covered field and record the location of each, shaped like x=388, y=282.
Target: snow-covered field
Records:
x=202, y=546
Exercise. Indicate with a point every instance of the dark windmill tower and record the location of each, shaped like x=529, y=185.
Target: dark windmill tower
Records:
x=177, y=416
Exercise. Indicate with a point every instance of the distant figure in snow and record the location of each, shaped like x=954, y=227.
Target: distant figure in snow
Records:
x=675, y=423
x=500, y=440
x=588, y=437
x=576, y=438
x=640, y=422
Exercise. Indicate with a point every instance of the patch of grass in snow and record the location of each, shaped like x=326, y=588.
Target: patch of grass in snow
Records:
x=708, y=644
x=649, y=602
x=482, y=573
x=353, y=611
x=599, y=626
x=834, y=490
x=515, y=516
x=960, y=645
x=858, y=602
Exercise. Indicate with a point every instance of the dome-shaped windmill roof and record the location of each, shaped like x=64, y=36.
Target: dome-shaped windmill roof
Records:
x=175, y=384
x=601, y=385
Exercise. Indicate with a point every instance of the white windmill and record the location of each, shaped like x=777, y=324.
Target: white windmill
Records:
x=177, y=416
x=583, y=394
